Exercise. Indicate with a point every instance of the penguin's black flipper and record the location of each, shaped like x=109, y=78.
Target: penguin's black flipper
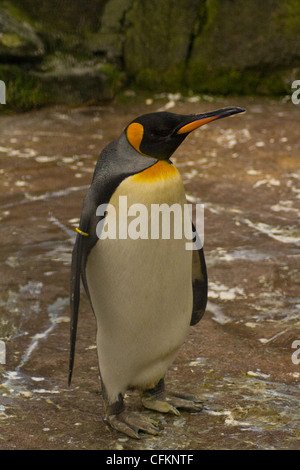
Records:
x=74, y=299
x=199, y=276
x=85, y=240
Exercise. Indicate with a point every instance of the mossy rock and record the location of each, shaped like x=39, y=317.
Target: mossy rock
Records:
x=252, y=81
x=62, y=16
x=18, y=41
x=109, y=40
x=69, y=82
x=246, y=47
x=169, y=81
x=23, y=91
x=157, y=39
x=83, y=51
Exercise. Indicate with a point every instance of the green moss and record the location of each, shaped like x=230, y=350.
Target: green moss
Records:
x=252, y=81
x=61, y=15
x=222, y=81
x=23, y=91
x=211, y=13
x=17, y=13
x=10, y=40
x=287, y=18
x=171, y=80
x=114, y=75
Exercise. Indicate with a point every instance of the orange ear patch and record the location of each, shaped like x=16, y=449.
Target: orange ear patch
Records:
x=135, y=132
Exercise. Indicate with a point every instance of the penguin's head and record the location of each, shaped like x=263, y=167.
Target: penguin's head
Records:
x=158, y=135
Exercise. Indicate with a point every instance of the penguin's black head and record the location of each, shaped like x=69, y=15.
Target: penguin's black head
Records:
x=159, y=134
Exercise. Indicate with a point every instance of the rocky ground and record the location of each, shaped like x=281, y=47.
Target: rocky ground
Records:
x=238, y=359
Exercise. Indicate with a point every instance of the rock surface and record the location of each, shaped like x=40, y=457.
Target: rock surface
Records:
x=199, y=46
x=246, y=46
x=18, y=41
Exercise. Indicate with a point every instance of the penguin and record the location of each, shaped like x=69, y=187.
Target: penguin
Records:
x=145, y=292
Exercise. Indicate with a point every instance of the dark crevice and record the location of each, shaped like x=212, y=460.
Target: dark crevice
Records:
x=198, y=25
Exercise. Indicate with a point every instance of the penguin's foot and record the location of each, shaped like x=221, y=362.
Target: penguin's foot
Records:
x=132, y=423
x=159, y=400
x=170, y=403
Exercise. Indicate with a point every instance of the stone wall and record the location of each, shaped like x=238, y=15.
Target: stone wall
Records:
x=86, y=51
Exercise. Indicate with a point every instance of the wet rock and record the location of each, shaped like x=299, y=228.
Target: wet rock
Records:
x=207, y=46
x=246, y=47
x=59, y=15
x=109, y=41
x=18, y=41
x=79, y=83
x=157, y=42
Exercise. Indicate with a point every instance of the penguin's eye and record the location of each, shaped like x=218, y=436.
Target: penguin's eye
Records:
x=160, y=132
x=164, y=132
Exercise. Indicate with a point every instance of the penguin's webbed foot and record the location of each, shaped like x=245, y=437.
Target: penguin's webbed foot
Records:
x=159, y=400
x=170, y=403
x=132, y=423
x=185, y=402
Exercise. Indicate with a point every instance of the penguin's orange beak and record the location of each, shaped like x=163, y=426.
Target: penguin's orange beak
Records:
x=198, y=120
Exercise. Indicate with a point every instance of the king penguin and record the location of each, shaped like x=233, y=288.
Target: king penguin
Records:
x=145, y=292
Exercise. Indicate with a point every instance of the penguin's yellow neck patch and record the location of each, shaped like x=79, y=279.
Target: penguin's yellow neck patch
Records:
x=135, y=132
x=162, y=170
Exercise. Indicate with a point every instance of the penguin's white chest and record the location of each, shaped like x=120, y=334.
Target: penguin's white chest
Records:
x=141, y=285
